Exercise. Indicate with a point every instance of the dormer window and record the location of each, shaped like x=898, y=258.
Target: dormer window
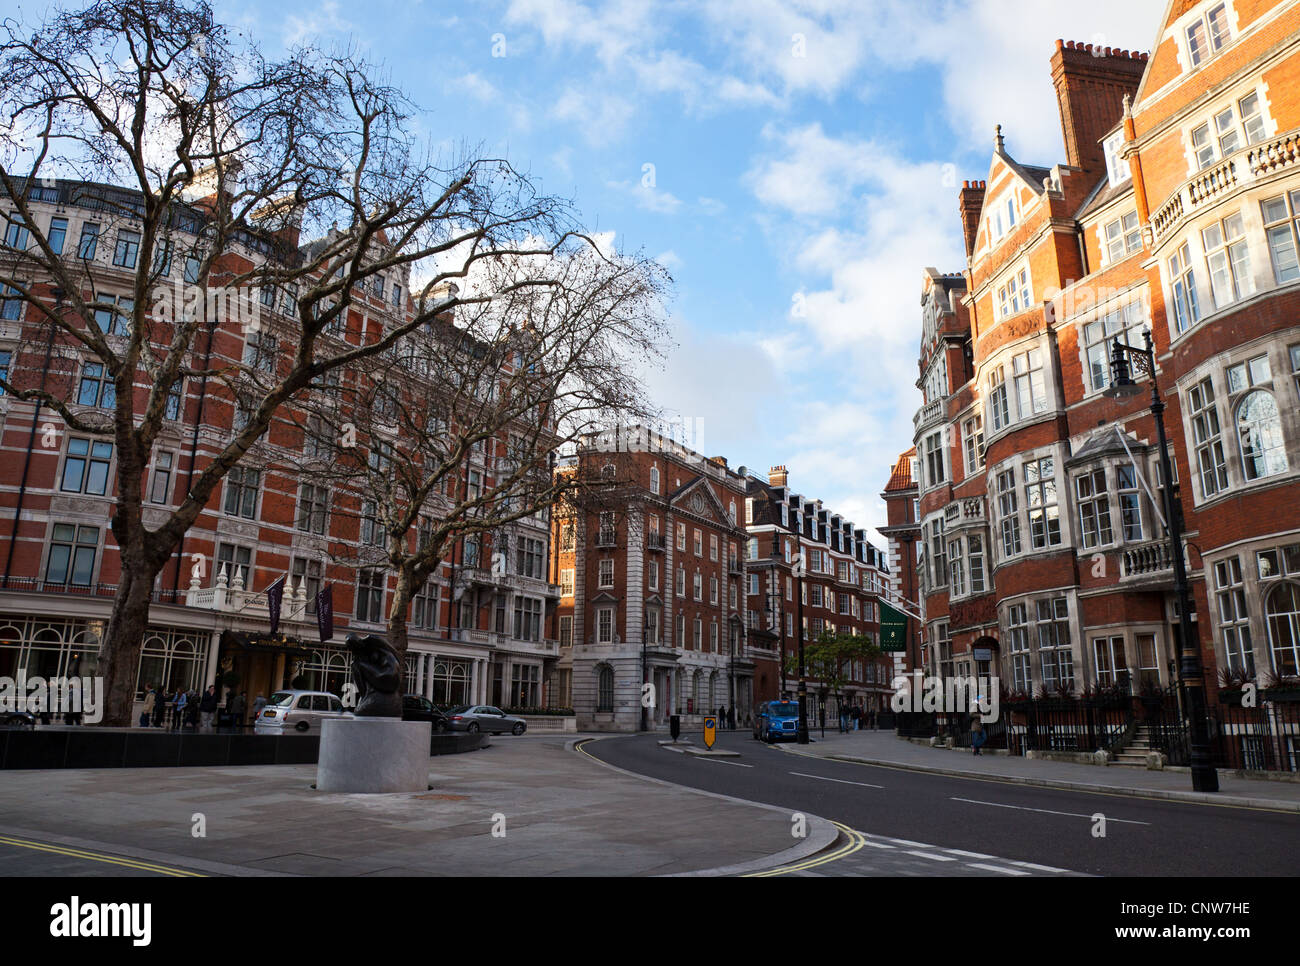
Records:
x=1208, y=34
x=1117, y=169
x=1003, y=217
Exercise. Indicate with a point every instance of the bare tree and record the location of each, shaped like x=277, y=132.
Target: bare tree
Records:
x=452, y=436
x=196, y=150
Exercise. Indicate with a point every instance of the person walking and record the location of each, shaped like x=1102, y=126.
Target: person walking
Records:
x=731, y=718
x=178, y=709
x=208, y=708
x=150, y=699
x=977, y=735
x=237, y=705
x=160, y=708
x=259, y=703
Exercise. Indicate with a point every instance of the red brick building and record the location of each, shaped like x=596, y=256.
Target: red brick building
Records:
x=1176, y=210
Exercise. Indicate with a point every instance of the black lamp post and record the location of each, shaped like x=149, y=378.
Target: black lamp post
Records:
x=1122, y=386
x=645, y=635
x=802, y=736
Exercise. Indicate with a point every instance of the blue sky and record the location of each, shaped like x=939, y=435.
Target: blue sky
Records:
x=806, y=159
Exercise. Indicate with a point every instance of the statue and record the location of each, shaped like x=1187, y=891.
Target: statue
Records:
x=376, y=669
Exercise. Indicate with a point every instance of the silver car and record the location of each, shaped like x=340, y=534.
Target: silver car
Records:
x=484, y=717
x=300, y=711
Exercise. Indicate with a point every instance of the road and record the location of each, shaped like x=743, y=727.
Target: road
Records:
x=910, y=823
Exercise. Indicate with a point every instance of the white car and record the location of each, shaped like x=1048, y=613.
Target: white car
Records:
x=297, y=711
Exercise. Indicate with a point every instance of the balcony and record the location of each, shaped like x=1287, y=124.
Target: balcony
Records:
x=607, y=538
x=230, y=597
x=736, y=567
x=1218, y=181
x=1148, y=563
x=929, y=414
x=654, y=541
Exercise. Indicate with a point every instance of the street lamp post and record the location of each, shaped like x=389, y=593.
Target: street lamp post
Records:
x=1122, y=386
x=645, y=634
x=802, y=736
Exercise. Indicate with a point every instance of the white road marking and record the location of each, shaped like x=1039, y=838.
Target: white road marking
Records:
x=877, y=845
x=722, y=761
x=840, y=780
x=997, y=868
x=974, y=855
x=936, y=857
x=919, y=845
x=1046, y=811
x=1035, y=865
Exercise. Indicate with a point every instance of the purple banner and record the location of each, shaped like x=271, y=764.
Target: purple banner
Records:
x=325, y=613
x=274, y=600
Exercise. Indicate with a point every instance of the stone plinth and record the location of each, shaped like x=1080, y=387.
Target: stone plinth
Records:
x=373, y=755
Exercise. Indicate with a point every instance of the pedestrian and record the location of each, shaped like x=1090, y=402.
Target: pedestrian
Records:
x=237, y=706
x=977, y=735
x=208, y=707
x=259, y=703
x=192, y=710
x=160, y=708
x=150, y=699
x=731, y=718
x=178, y=709
x=722, y=716
x=855, y=714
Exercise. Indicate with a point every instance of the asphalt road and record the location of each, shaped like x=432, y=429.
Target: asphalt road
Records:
x=919, y=824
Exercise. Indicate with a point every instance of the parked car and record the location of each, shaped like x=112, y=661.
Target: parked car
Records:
x=417, y=708
x=300, y=711
x=484, y=717
x=776, y=721
x=17, y=719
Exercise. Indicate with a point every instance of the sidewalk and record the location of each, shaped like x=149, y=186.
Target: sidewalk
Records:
x=563, y=814
x=885, y=748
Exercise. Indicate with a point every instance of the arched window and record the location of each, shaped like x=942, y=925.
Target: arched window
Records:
x=1283, y=613
x=605, y=688
x=1259, y=429
x=654, y=480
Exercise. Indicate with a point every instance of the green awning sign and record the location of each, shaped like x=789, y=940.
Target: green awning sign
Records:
x=893, y=629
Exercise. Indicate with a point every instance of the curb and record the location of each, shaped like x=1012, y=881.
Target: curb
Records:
x=1200, y=798
x=822, y=834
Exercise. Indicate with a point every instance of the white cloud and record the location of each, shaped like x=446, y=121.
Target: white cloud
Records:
x=477, y=86
x=324, y=19
x=599, y=116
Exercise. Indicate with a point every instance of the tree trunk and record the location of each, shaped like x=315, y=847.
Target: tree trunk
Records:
x=119, y=652
x=398, y=639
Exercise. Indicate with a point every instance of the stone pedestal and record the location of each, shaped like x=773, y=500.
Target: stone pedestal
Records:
x=373, y=755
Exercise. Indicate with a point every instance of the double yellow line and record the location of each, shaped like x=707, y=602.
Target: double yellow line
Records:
x=855, y=841
x=99, y=857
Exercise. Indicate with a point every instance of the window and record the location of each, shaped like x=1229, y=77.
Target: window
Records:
x=1054, y=644
x=312, y=504
x=1003, y=217
x=1130, y=507
x=236, y=562
x=1207, y=439
x=1227, y=260
x=114, y=318
x=566, y=632
x=652, y=576
x=241, y=492
x=713, y=546
x=972, y=432
x=699, y=543
x=605, y=625
x=934, y=459
x=96, y=387
x=290, y=304
x=1182, y=279
x=57, y=235
x=606, y=573
x=1127, y=322
x=1282, y=224
x=1018, y=648
x=11, y=310
x=85, y=470
x=1112, y=668
x=654, y=480
x=380, y=460
x=1031, y=391
x=697, y=634
x=681, y=581
x=998, y=399
x=127, y=250
x=160, y=484
x=1094, y=509
x=713, y=591
x=1234, y=617
x=1117, y=169
x=260, y=350
x=245, y=410
x=193, y=269
x=72, y=555
x=528, y=619
x=397, y=296
x=975, y=551
x=306, y=573
x=530, y=558
x=1294, y=351
x=1040, y=501
x=939, y=553
x=681, y=536
x=605, y=689
x=6, y=360
x=162, y=259
x=1007, y=513
x=1123, y=236
x=1014, y=296
x=370, y=595
x=1207, y=35
x=698, y=585
x=1259, y=430
x=17, y=234
x=89, y=241
x=172, y=407
x=957, y=568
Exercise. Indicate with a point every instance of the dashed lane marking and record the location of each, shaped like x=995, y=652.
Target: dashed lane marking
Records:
x=1046, y=811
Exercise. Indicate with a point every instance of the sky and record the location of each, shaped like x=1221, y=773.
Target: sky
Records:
x=794, y=164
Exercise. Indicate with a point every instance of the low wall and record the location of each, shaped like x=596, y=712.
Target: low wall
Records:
x=90, y=747
x=551, y=723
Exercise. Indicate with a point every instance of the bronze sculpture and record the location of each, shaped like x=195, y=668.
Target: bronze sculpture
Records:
x=376, y=668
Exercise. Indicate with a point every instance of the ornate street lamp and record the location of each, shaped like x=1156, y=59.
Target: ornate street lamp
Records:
x=1122, y=386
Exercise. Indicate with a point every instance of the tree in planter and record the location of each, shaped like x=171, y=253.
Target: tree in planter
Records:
x=829, y=658
x=456, y=430
x=202, y=160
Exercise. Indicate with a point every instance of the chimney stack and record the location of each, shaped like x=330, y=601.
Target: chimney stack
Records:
x=970, y=206
x=777, y=476
x=1090, y=86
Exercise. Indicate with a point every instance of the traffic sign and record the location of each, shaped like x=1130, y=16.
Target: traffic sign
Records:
x=710, y=732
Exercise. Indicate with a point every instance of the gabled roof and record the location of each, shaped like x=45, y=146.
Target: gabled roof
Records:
x=901, y=478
